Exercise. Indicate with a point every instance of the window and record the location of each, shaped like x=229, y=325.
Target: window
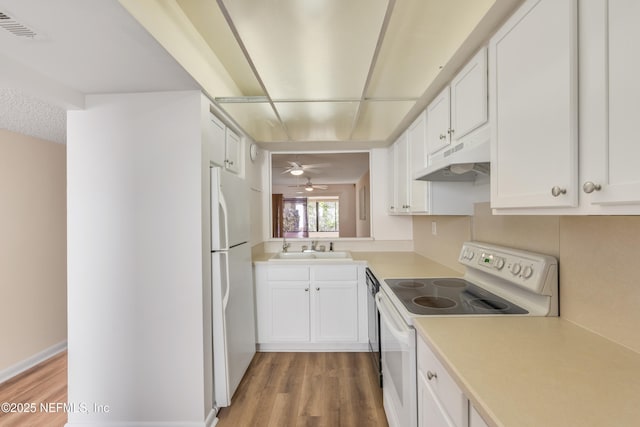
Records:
x=323, y=215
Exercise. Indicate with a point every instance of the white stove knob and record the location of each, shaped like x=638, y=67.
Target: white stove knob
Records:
x=470, y=254
x=527, y=272
x=499, y=263
x=515, y=268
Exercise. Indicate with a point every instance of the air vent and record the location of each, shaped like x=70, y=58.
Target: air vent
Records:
x=16, y=28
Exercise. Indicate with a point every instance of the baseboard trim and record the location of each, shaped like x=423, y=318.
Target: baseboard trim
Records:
x=20, y=367
x=141, y=424
x=314, y=347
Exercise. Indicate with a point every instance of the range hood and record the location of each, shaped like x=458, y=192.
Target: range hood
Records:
x=466, y=161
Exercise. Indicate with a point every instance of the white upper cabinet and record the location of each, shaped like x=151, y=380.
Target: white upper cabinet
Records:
x=535, y=164
x=232, y=152
x=224, y=144
x=461, y=107
x=439, y=118
x=215, y=134
x=469, y=97
x=406, y=195
x=533, y=105
x=614, y=176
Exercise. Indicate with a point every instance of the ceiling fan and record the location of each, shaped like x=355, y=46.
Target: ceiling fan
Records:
x=296, y=168
x=309, y=186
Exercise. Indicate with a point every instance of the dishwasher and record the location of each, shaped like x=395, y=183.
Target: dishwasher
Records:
x=373, y=287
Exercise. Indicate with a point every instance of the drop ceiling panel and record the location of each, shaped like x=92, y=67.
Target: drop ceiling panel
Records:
x=208, y=20
x=258, y=120
x=318, y=121
x=313, y=49
x=377, y=120
x=422, y=36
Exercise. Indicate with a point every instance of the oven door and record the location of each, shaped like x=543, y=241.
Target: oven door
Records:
x=398, y=348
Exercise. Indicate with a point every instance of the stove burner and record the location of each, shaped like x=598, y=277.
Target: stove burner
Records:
x=434, y=302
x=488, y=304
x=450, y=283
x=412, y=284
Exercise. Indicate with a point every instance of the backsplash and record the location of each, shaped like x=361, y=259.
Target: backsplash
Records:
x=598, y=289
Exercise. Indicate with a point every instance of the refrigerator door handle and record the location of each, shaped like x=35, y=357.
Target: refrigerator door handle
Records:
x=223, y=226
x=224, y=266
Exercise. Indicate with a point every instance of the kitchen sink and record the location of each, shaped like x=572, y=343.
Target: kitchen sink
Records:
x=310, y=256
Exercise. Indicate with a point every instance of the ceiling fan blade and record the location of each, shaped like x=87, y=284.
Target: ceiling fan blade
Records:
x=316, y=165
x=321, y=187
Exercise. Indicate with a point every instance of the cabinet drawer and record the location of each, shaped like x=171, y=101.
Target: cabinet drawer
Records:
x=335, y=272
x=288, y=272
x=445, y=389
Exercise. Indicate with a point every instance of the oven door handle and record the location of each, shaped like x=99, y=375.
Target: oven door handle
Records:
x=399, y=331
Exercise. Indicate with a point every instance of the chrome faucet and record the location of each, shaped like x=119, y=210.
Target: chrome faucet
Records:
x=314, y=243
x=285, y=244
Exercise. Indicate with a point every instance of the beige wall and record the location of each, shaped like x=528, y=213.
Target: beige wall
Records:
x=599, y=289
x=33, y=257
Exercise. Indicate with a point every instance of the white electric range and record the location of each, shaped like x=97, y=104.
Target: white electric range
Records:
x=498, y=281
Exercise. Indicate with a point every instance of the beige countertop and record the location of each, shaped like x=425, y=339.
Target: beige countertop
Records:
x=387, y=265
x=537, y=371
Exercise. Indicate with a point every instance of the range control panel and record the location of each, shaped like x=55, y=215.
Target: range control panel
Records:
x=525, y=269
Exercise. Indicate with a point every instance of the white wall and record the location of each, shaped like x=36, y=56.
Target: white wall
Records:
x=33, y=259
x=135, y=259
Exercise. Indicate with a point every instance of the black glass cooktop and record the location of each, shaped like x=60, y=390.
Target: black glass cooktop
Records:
x=441, y=296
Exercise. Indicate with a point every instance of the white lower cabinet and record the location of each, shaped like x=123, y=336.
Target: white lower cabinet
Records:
x=441, y=403
x=430, y=412
x=440, y=400
x=475, y=420
x=310, y=307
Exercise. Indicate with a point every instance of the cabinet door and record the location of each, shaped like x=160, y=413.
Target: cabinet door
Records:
x=215, y=134
x=430, y=412
x=533, y=107
x=232, y=148
x=469, y=96
x=288, y=311
x=417, y=134
x=475, y=420
x=618, y=152
x=335, y=313
x=438, y=122
x=416, y=158
x=401, y=174
x=392, y=182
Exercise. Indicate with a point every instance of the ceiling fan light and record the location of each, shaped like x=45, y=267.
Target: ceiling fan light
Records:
x=297, y=172
x=308, y=188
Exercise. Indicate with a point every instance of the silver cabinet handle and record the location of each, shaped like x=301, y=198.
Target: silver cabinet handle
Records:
x=589, y=187
x=450, y=131
x=556, y=191
x=443, y=136
x=306, y=289
x=431, y=375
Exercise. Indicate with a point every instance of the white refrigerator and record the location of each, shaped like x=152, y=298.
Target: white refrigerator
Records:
x=234, y=343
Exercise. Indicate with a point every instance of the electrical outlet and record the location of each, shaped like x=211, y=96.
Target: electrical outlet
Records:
x=434, y=229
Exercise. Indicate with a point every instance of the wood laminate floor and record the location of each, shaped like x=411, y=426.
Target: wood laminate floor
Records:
x=307, y=389
x=279, y=390
x=41, y=387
